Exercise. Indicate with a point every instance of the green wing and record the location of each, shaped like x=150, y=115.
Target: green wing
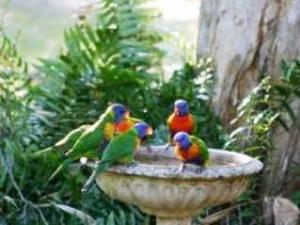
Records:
x=91, y=138
x=134, y=120
x=119, y=150
x=66, y=143
x=69, y=140
x=202, y=146
x=195, y=124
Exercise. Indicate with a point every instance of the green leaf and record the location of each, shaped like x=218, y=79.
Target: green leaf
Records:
x=84, y=217
x=111, y=219
x=290, y=111
x=283, y=123
x=238, y=131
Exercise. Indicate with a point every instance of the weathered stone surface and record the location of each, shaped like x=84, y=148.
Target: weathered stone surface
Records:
x=175, y=221
x=285, y=212
x=156, y=185
x=246, y=38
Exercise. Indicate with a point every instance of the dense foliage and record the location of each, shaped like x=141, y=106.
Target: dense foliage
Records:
x=116, y=60
x=268, y=105
x=268, y=108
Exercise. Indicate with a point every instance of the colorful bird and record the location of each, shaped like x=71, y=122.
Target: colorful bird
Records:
x=190, y=149
x=121, y=149
x=96, y=135
x=181, y=119
x=66, y=143
x=126, y=124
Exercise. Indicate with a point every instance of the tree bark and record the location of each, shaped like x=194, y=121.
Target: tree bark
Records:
x=249, y=38
x=246, y=38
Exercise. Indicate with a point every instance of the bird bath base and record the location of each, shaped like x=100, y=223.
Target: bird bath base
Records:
x=157, y=187
x=173, y=221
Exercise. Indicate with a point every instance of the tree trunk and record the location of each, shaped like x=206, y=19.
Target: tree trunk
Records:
x=248, y=38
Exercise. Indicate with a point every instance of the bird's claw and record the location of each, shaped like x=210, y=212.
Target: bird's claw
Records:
x=149, y=148
x=200, y=169
x=181, y=167
x=133, y=164
x=167, y=146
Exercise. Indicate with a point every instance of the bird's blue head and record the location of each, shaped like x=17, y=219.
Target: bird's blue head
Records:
x=143, y=130
x=119, y=111
x=181, y=107
x=182, y=139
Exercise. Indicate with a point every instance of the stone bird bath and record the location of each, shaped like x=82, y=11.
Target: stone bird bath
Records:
x=157, y=187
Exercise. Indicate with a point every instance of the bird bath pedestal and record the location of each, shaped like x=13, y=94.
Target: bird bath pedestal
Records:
x=157, y=187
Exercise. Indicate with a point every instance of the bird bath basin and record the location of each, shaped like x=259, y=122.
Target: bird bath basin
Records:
x=157, y=187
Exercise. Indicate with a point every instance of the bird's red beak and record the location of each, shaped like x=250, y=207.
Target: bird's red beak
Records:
x=149, y=131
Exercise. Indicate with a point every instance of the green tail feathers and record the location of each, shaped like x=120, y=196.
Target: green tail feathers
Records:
x=60, y=168
x=102, y=166
x=54, y=149
x=43, y=151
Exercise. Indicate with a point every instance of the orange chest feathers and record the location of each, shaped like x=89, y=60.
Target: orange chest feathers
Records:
x=190, y=154
x=124, y=126
x=181, y=123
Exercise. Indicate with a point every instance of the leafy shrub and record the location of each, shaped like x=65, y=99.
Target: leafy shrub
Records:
x=267, y=108
x=21, y=127
x=117, y=60
x=107, y=63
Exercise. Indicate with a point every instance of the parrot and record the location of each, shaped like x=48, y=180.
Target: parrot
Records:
x=126, y=124
x=67, y=142
x=190, y=149
x=120, y=150
x=181, y=119
x=96, y=135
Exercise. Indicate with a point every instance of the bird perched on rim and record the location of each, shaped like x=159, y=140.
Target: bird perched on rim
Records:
x=96, y=135
x=181, y=119
x=121, y=149
x=66, y=143
x=190, y=149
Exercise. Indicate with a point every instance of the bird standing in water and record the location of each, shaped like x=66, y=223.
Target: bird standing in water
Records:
x=190, y=149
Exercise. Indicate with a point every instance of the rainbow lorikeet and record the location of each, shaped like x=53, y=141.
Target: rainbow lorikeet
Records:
x=190, y=149
x=96, y=135
x=126, y=124
x=181, y=119
x=66, y=143
x=121, y=149
x=69, y=140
